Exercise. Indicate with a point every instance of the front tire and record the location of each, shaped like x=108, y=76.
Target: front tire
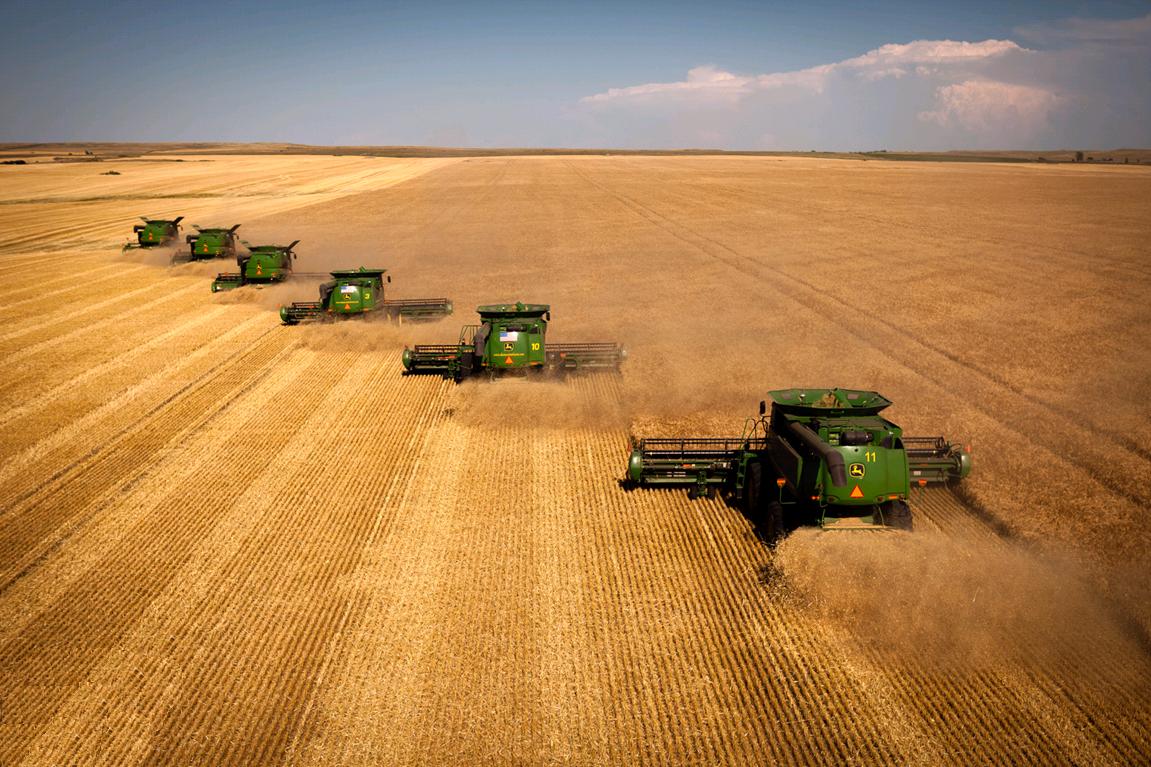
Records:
x=773, y=522
x=767, y=516
x=897, y=515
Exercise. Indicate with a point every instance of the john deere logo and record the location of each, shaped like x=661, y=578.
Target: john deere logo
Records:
x=857, y=470
x=509, y=347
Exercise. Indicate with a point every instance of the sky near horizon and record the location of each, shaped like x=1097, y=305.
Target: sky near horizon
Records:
x=823, y=75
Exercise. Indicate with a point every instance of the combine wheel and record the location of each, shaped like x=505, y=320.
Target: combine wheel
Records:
x=768, y=516
x=773, y=522
x=753, y=490
x=897, y=515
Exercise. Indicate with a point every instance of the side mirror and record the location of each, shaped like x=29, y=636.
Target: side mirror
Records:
x=389, y=278
x=762, y=407
x=547, y=316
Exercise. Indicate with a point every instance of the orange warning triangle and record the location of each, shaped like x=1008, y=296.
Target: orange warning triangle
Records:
x=507, y=360
x=857, y=493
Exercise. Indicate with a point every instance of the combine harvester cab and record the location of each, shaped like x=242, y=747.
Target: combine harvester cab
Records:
x=155, y=232
x=358, y=292
x=511, y=338
x=260, y=265
x=209, y=243
x=822, y=456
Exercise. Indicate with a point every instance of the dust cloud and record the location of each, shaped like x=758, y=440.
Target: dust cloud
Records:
x=374, y=332
x=954, y=602
x=538, y=404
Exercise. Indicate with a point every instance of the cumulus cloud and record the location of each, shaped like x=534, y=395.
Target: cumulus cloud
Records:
x=1090, y=85
x=982, y=106
x=893, y=60
x=702, y=82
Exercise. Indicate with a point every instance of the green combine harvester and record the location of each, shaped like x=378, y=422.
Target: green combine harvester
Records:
x=510, y=339
x=823, y=456
x=155, y=232
x=358, y=292
x=209, y=243
x=262, y=264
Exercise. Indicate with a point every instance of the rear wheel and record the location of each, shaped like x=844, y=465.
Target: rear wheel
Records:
x=897, y=514
x=753, y=489
x=767, y=515
x=773, y=522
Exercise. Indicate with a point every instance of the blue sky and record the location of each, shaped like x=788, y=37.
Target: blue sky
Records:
x=639, y=74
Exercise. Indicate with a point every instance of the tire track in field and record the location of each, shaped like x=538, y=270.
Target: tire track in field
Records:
x=77, y=318
x=39, y=520
x=80, y=281
x=99, y=272
x=49, y=449
x=95, y=619
x=927, y=361
x=180, y=469
x=71, y=361
x=199, y=600
x=1073, y=263
x=361, y=438
x=378, y=666
x=727, y=198
x=150, y=350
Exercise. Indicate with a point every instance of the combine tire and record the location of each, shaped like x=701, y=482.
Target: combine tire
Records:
x=753, y=490
x=897, y=515
x=767, y=516
x=773, y=522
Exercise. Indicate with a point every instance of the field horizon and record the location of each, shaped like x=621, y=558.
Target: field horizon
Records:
x=74, y=151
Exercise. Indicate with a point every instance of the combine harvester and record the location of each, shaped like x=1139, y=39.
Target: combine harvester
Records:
x=207, y=244
x=357, y=292
x=262, y=264
x=510, y=339
x=824, y=456
x=155, y=232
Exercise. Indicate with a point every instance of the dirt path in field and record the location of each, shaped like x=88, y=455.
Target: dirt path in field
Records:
x=223, y=541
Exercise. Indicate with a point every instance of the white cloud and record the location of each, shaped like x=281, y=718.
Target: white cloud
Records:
x=1089, y=86
x=988, y=106
x=705, y=81
x=887, y=61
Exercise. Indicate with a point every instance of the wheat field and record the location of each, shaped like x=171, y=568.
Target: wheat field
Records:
x=225, y=541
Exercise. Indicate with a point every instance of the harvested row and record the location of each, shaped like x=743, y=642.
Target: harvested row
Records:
x=95, y=620
x=41, y=512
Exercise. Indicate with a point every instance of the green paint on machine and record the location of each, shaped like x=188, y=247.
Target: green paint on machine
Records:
x=155, y=232
x=510, y=338
x=208, y=243
x=822, y=455
x=260, y=265
x=357, y=292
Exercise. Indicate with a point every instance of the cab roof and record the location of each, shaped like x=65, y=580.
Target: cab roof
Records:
x=518, y=309
x=829, y=402
x=363, y=271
